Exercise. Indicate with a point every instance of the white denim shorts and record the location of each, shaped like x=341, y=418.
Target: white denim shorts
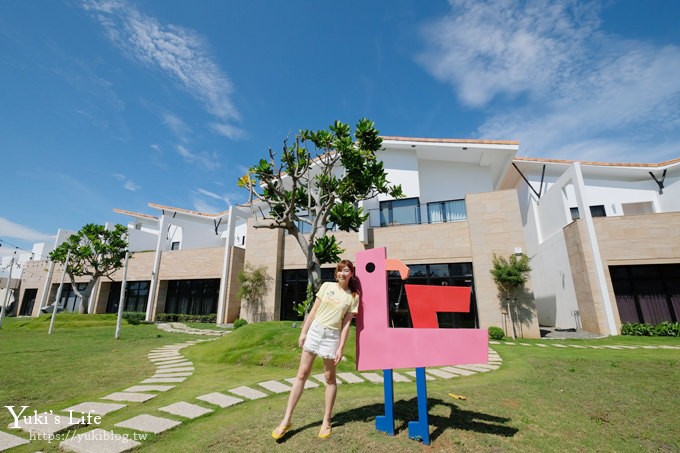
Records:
x=322, y=341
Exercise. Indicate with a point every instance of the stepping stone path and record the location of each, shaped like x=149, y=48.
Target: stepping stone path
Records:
x=173, y=367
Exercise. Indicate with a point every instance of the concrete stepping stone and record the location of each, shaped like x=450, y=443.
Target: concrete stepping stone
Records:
x=559, y=346
x=173, y=369
x=509, y=343
x=160, y=355
x=129, y=397
x=577, y=346
x=595, y=347
x=166, y=375
x=457, y=370
x=183, y=363
x=184, y=409
x=350, y=378
x=99, y=441
x=308, y=384
x=8, y=441
x=248, y=392
x=149, y=423
x=163, y=380
x=525, y=344
x=494, y=342
x=373, y=377
x=396, y=377
x=427, y=376
x=476, y=367
x=45, y=424
x=275, y=386
x=613, y=347
x=161, y=362
x=541, y=345
x=94, y=408
x=322, y=379
x=441, y=373
x=220, y=399
x=149, y=388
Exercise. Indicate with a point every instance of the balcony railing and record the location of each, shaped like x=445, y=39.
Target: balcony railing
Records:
x=416, y=214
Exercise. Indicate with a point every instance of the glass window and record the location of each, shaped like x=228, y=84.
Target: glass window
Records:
x=595, y=211
x=453, y=274
x=136, y=296
x=193, y=297
x=294, y=290
x=446, y=211
x=400, y=212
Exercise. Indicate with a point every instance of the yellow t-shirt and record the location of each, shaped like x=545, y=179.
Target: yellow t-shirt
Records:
x=334, y=303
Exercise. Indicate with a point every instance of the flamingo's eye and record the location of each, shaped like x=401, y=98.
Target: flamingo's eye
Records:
x=370, y=267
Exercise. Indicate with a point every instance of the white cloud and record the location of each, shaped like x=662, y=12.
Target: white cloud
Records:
x=17, y=231
x=204, y=159
x=177, y=126
x=128, y=184
x=209, y=194
x=179, y=52
x=575, y=91
x=204, y=206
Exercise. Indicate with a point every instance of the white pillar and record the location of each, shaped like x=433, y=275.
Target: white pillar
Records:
x=222, y=298
x=151, y=302
x=584, y=210
x=121, y=301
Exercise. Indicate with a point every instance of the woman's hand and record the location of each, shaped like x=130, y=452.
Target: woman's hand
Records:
x=338, y=356
x=301, y=340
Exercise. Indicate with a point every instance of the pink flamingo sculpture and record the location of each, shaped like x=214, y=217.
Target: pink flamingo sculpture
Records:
x=382, y=347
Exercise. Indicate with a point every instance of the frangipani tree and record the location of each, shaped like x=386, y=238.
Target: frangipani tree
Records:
x=95, y=252
x=318, y=180
x=510, y=275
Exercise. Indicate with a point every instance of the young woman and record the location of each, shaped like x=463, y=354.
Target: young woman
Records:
x=324, y=333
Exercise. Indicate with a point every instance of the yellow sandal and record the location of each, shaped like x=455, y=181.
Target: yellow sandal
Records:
x=282, y=431
x=325, y=432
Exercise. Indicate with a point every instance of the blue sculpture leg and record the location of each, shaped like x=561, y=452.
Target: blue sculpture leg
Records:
x=420, y=430
x=385, y=422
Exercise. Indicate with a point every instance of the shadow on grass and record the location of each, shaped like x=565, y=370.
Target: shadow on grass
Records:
x=405, y=411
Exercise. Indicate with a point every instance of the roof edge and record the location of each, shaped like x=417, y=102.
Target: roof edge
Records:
x=601, y=164
x=449, y=140
x=135, y=214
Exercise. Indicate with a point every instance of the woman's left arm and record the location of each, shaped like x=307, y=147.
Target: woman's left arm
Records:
x=343, y=336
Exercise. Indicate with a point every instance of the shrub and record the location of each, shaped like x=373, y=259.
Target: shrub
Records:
x=240, y=323
x=133, y=317
x=177, y=317
x=496, y=333
x=663, y=329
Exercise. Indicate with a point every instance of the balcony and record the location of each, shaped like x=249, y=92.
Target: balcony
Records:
x=410, y=212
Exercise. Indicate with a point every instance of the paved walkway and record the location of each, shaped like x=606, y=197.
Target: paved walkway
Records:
x=172, y=368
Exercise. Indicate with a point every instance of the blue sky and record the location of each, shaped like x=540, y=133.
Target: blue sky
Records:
x=113, y=104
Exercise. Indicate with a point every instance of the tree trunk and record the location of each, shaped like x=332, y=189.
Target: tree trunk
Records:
x=85, y=295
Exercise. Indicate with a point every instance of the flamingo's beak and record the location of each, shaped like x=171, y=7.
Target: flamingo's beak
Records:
x=397, y=265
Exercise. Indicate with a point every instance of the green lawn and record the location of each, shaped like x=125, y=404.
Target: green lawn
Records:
x=541, y=399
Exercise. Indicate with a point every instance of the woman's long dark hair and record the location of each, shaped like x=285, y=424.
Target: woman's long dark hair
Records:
x=353, y=282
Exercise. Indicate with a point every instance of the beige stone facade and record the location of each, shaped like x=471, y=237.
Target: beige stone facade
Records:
x=622, y=240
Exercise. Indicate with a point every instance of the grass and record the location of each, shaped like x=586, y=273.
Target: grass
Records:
x=541, y=399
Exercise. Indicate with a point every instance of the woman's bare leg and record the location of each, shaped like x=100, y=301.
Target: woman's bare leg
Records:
x=331, y=391
x=304, y=370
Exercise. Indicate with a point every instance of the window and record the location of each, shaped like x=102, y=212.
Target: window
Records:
x=595, y=211
x=446, y=211
x=192, y=297
x=294, y=290
x=174, y=246
x=400, y=212
x=136, y=296
x=28, y=302
x=69, y=301
x=453, y=274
